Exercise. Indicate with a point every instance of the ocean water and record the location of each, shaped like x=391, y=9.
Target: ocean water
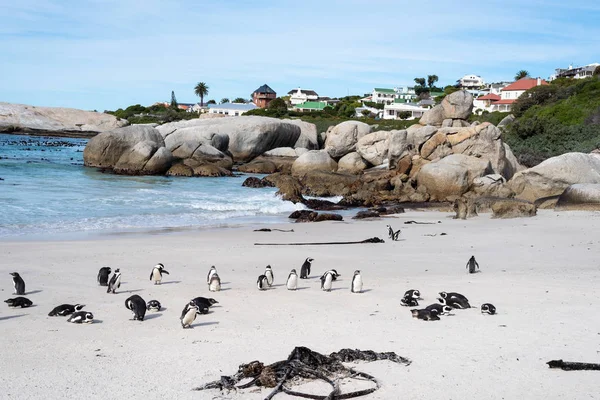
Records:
x=46, y=192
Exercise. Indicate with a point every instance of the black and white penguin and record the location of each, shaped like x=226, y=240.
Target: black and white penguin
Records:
x=292, y=280
x=425, y=315
x=156, y=274
x=262, y=283
x=412, y=294
x=488, y=308
x=440, y=308
x=334, y=274
x=212, y=271
x=203, y=304
x=357, y=283
x=65, y=309
x=22, y=302
x=103, y=276
x=305, y=270
x=472, y=265
x=81, y=317
x=137, y=305
x=269, y=275
x=326, y=282
x=153, y=305
x=393, y=235
x=115, y=281
x=449, y=295
x=214, y=285
x=409, y=302
x=189, y=315
x=18, y=283
x=454, y=302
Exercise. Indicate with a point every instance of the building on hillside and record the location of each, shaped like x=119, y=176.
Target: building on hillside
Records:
x=298, y=96
x=470, y=82
x=406, y=93
x=231, y=109
x=485, y=103
x=496, y=87
x=575, y=72
x=262, y=96
x=186, y=106
x=373, y=112
x=395, y=110
x=512, y=92
x=310, y=106
x=383, y=96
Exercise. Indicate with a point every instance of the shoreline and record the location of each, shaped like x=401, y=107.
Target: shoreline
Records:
x=61, y=134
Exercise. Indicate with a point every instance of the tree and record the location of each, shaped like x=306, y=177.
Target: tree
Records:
x=420, y=81
x=521, y=74
x=224, y=100
x=173, y=100
x=278, y=104
x=404, y=114
x=201, y=90
x=596, y=71
x=211, y=101
x=239, y=100
x=366, y=113
x=431, y=80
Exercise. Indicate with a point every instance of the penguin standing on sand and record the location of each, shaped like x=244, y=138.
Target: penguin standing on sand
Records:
x=115, y=282
x=18, y=283
x=65, y=309
x=262, y=283
x=156, y=274
x=214, y=285
x=292, y=280
x=22, y=302
x=269, y=275
x=103, y=276
x=305, y=270
x=488, y=308
x=81, y=317
x=211, y=272
x=153, y=305
x=472, y=265
x=137, y=305
x=357, y=283
x=189, y=315
x=326, y=282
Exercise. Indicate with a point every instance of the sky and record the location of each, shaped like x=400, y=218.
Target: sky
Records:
x=109, y=54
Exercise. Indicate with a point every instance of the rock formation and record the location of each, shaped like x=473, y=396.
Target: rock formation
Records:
x=342, y=139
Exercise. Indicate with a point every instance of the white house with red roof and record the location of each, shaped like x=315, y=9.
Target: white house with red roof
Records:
x=485, y=103
x=512, y=92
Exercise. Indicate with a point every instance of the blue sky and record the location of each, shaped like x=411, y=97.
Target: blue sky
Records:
x=106, y=54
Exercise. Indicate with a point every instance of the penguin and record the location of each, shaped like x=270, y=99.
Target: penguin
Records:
x=454, y=302
x=214, y=285
x=22, y=302
x=203, y=304
x=115, y=281
x=189, y=316
x=79, y=317
x=65, y=309
x=211, y=272
x=326, y=282
x=292, y=280
x=334, y=275
x=305, y=270
x=357, y=283
x=137, y=305
x=449, y=295
x=393, y=235
x=425, y=315
x=153, y=305
x=18, y=282
x=412, y=294
x=409, y=302
x=488, y=308
x=472, y=265
x=262, y=283
x=103, y=276
x=441, y=309
x=156, y=274
x=269, y=275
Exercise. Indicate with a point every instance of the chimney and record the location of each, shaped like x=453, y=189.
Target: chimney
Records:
x=539, y=81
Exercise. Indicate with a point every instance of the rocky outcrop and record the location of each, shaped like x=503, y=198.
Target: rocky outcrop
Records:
x=133, y=150
x=398, y=148
x=506, y=121
x=289, y=187
x=493, y=185
x=342, y=139
x=254, y=182
x=314, y=160
x=454, y=109
x=325, y=184
x=583, y=196
x=258, y=167
x=352, y=163
x=444, y=181
x=433, y=116
x=308, y=134
x=513, y=209
x=55, y=120
x=313, y=216
x=285, y=152
x=373, y=147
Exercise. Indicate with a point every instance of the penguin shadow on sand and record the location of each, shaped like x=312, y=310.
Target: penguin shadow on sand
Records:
x=170, y=283
x=12, y=316
x=34, y=292
x=130, y=291
x=205, y=324
x=366, y=290
x=154, y=315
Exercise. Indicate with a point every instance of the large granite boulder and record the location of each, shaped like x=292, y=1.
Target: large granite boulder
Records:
x=55, y=120
x=314, y=160
x=416, y=135
x=444, y=181
x=581, y=196
x=325, y=183
x=342, y=139
x=132, y=150
x=398, y=147
x=554, y=175
x=308, y=134
x=373, y=147
x=352, y=163
x=476, y=167
x=511, y=208
x=282, y=152
x=433, y=116
x=458, y=105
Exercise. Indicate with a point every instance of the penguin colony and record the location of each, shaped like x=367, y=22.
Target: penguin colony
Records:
x=446, y=303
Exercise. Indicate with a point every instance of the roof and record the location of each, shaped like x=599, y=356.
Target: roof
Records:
x=312, y=105
x=489, y=96
x=382, y=90
x=233, y=106
x=264, y=89
x=404, y=107
x=504, y=101
x=306, y=92
x=523, y=84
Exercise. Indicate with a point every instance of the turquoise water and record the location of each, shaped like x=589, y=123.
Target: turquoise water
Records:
x=47, y=192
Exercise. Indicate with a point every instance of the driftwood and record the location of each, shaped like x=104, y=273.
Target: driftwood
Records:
x=573, y=366
x=305, y=364
x=370, y=240
x=422, y=223
x=274, y=229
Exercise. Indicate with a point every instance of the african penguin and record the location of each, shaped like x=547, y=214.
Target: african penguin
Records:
x=137, y=305
x=305, y=270
x=262, y=283
x=65, y=309
x=269, y=275
x=472, y=265
x=103, y=276
x=454, y=302
x=189, y=316
x=393, y=235
x=334, y=274
x=425, y=315
x=214, y=285
x=326, y=282
x=292, y=280
x=22, y=302
x=79, y=317
x=441, y=309
x=409, y=302
x=412, y=294
x=18, y=283
x=156, y=274
x=449, y=295
x=203, y=304
x=211, y=272
x=153, y=305
x=357, y=283
x=488, y=308
x=115, y=281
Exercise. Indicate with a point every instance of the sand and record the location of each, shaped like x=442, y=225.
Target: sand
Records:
x=541, y=273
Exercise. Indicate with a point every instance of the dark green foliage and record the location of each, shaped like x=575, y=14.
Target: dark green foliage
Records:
x=420, y=81
x=596, y=71
x=491, y=117
x=431, y=80
x=239, y=100
x=138, y=114
x=173, y=100
x=278, y=104
x=211, y=102
x=378, y=106
x=404, y=114
x=224, y=100
x=521, y=74
x=201, y=90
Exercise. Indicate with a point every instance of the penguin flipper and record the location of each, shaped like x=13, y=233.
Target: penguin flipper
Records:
x=164, y=271
x=151, y=273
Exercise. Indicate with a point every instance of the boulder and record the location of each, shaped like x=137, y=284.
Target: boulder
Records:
x=211, y=170
x=554, y=175
x=342, y=139
x=328, y=217
x=254, y=182
x=313, y=216
x=180, y=170
x=509, y=119
x=366, y=214
x=476, y=167
x=258, y=167
x=457, y=105
x=416, y=135
x=511, y=208
x=582, y=196
x=352, y=163
x=433, y=116
x=308, y=134
x=398, y=147
x=281, y=152
x=282, y=164
x=373, y=147
x=314, y=160
x=326, y=184
x=493, y=185
x=202, y=154
x=432, y=144
x=289, y=187
x=444, y=182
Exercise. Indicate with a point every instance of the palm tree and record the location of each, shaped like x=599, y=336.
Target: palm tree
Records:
x=420, y=81
x=521, y=74
x=431, y=80
x=224, y=100
x=201, y=90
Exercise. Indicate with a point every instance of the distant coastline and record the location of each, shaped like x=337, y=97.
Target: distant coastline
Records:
x=66, y=134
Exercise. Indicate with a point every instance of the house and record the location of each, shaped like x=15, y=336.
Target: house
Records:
x=186, y=106
x=406, y=93
x=470, y=82
x=575, y=72
x=383, y=96
x=393, y=111
x=310, y=106
x=485, y=103
x=298, y=96
x=360, y=111
x=263, y=96
x=512, y=92
x=231, y=109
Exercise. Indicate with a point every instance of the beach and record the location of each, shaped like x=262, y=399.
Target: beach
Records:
x=541, y=273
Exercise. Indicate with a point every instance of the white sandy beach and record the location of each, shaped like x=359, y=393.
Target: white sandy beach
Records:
x=541, y=273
